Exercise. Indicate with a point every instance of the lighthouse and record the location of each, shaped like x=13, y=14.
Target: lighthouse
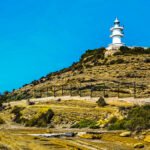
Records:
x=116, y=35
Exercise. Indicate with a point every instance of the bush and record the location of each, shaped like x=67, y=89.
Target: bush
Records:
x=85, y=124
x=2, y=121
x=117, y=53
x=118, y=125
x=117, y=61
x=120, y=61
x=138, y=118
x=93, y=55
x=134, y=51
x=147, y=60
x=4, y=147
x=42, y=121
x=101, y=102
x=17, y=111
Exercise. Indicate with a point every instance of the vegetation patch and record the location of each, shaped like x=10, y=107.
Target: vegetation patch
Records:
x=86, y=124
x=2, y=121
x=134, y=51
x=17, y=112
x=138, y=118
x=4, y=147
x=32, y=116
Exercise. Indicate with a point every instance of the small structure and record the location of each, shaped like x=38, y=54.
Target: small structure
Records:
x=117, y=34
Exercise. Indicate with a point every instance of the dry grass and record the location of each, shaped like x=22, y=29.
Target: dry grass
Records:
x=19, y=140
x=134, y=69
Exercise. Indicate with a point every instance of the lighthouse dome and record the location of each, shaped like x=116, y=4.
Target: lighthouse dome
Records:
x=116, y=21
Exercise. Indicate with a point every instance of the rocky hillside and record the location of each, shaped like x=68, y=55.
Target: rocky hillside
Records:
x=127, y=67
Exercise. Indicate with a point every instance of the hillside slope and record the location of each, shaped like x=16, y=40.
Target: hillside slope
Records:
x=126, y=67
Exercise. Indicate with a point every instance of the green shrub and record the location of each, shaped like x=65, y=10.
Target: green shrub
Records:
x=17, y=112
x=86, y=124
x=118, y=125
x=117, y=53
x=93, y=54
x=2, y=121
x=138, y=118
x=147, y=60
x=134, y=51
x=42, y=121
x=4, y=147
x=117, y=61
x=112, y=62
x=113, y=120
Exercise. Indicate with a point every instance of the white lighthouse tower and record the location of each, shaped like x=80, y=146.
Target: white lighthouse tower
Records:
x=117, y=35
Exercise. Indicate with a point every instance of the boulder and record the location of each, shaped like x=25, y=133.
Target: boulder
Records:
x=147, y=138
x=58, y=100
x=101, y=102
x=139, y=145
x=141, y=137
x=125, y=134
x=144, y=133
x=81, y=133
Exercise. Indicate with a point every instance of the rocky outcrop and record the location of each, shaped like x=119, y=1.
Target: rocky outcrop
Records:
x=125, y=134
x=139, y=145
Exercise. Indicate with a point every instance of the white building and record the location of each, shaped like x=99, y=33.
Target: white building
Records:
x=117, y=35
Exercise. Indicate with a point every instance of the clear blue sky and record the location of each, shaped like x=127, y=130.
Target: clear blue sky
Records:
x=41, y=36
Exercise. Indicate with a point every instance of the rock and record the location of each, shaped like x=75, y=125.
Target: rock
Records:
x=81, y=133
x=58, y=100
x=139, y=145
x=141, y=137
x=125, y=134
x=70, y=134
x=144, y=133
x=51, y=135
x=147, y=138
x=111, y=53
x=136, y=137
x=101, y=102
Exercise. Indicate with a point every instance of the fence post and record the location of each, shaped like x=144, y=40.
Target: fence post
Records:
x=104, y=92
x=118, y=89
x=134, y=89
x=54, y=91
x=62, y=90
x=91, y=94
x=33, y=93
x=40, y=93
x=47, y=91
x=70, y=90
x=80, y=90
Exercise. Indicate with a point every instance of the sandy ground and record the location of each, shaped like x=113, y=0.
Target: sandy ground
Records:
x=131, y=100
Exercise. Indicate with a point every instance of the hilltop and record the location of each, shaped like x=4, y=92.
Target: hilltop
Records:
x=126, y=66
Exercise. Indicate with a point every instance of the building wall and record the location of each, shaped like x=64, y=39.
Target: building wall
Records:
x=116, y=31
x=116, y=40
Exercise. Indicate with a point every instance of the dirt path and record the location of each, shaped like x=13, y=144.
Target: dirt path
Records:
x=111, y=100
